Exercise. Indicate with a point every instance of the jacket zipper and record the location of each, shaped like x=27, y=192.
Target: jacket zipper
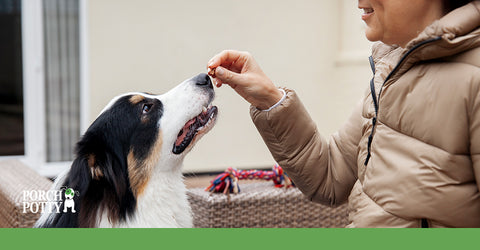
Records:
x=376, y=101
x=402, y=60
x=424, y=223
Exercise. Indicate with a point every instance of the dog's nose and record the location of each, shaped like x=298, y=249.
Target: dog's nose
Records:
x=203, y=80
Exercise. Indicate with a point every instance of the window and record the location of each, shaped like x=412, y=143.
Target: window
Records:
x=41, y=105
x=11, y=81
x=62, y=83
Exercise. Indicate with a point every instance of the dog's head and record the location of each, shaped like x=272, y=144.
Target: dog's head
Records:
x=134, y=135
x=165, y=125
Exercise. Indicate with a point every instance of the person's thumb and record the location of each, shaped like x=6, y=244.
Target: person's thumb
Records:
x=227, y=76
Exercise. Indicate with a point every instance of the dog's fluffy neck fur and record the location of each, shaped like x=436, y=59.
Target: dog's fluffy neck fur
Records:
x=164, y=187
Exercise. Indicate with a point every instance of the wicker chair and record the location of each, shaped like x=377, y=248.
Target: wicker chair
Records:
x=15, y=178
x=261, y=205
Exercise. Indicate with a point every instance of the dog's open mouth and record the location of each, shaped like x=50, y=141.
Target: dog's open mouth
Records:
x=199, y=124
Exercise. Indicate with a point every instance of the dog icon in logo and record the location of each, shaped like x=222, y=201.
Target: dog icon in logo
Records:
x=69, y=202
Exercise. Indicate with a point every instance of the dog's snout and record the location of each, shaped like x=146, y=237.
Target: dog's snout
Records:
x=203, y=80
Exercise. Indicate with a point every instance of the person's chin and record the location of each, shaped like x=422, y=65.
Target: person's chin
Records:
x=372, y=34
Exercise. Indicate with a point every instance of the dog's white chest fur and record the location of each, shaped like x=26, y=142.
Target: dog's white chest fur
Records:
x=164, y=203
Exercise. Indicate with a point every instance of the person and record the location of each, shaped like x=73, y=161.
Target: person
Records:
x=409, y=155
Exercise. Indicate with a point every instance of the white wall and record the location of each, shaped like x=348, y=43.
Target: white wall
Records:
x=315, y=47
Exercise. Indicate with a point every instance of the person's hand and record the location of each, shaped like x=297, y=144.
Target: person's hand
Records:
x=241, y=72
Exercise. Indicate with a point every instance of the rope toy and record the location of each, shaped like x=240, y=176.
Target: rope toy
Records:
x=227, y=182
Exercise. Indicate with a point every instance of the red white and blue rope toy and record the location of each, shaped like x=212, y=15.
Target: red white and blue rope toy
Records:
x=227, y=182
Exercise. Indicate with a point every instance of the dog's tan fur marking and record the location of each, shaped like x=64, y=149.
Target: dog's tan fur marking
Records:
x=135, y=99
x=95, y=170
x=140, y=172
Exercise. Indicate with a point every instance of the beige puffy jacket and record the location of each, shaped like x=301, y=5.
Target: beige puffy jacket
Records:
x=424, y=164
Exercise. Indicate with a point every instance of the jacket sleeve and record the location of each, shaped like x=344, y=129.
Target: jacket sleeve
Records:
x=325, y=171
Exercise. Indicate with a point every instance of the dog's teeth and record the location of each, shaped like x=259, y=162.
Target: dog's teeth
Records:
x=204, y=109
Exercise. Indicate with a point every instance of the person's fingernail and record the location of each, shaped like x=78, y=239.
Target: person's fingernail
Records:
x=219, y=71
x=210, y=64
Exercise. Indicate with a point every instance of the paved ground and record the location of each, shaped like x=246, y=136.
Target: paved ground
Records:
x=198, y=181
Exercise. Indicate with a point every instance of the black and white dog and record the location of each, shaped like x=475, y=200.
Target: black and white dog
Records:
x=127, y=171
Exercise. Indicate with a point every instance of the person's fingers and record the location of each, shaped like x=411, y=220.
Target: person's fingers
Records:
x=227, y=76
x=217, y=83
x=230, y=59
x=224, y=57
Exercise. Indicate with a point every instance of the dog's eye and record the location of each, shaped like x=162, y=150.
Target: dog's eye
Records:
x=146, y=108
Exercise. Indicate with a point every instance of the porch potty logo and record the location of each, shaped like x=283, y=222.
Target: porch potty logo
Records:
x=41, y=201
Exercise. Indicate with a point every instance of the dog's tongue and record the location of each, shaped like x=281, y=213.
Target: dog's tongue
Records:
x=184, y=132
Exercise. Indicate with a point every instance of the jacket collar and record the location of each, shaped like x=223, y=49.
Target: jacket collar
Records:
x=455, y=32
x=456, y=24
x=458, y=31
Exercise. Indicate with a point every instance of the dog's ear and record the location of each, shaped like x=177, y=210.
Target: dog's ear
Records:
x=102, y=187
x=87, y=175
x=79, y=180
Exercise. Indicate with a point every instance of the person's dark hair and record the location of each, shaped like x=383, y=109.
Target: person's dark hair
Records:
x=450, y=5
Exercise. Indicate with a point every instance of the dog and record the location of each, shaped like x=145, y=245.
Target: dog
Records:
x=127, y=170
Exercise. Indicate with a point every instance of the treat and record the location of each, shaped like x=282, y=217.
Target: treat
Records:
x=211, y=72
